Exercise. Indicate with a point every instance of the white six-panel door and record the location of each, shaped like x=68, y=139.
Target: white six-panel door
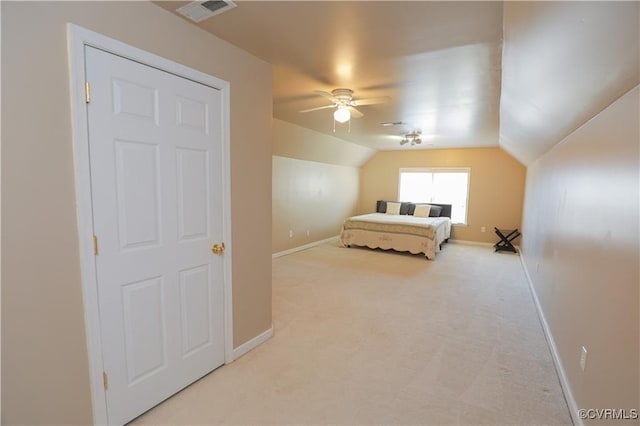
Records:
x=156, y=183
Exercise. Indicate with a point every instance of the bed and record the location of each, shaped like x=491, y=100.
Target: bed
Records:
x=401, y=231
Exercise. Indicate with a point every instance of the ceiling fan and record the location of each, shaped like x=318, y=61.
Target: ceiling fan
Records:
x=345, y=104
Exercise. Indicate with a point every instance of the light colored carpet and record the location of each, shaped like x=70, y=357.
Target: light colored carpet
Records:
x=373, y=337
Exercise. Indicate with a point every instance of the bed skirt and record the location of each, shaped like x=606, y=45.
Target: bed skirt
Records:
x=400, y=242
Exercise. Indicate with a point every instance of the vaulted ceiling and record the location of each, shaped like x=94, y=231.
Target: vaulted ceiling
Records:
x=521, y=75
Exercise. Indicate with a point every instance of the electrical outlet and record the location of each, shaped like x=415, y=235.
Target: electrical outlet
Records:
x=483, y=229
x=308, y=232
x=583, y=358
x=290, y=233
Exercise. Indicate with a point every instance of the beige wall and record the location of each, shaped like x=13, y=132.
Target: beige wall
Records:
x=310, y=196
x=581, y=250
x=495, y=192
x=315, y=184
x=44, y=359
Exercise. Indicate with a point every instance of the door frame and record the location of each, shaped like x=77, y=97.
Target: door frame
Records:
x=77, y=39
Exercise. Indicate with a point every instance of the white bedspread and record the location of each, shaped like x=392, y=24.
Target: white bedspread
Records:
x=398, y=232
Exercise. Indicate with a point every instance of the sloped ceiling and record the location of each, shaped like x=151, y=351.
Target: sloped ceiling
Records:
x=562, y=63
x=439, y=63
x=450, y=69
x=293, y=141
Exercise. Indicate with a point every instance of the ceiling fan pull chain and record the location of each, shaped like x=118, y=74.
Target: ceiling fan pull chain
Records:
x=349, y=129
x=334, y=125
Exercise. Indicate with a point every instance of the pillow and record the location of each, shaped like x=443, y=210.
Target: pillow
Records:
x=435, y=211
x=404, y=207
x=422, y=210
x=381, y=206
x=393, y=208
x=412, y=209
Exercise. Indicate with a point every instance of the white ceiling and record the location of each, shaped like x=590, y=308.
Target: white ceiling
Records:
x=442, y=64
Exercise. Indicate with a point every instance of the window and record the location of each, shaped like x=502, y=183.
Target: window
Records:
x=442, y=186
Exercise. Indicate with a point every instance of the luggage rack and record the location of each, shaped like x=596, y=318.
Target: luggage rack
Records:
x=506, y=237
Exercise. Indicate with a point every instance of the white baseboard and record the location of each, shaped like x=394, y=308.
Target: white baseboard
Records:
x=470, y=243
x=564, y=381
x=253, y=343
x=478, y=243
x=304, y=247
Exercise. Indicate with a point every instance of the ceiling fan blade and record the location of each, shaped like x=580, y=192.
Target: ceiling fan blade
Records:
x=317, y=108
x=371, y=101
x=355, y=113
x=326, y=95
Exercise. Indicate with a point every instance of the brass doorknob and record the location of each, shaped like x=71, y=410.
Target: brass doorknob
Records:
x=217, y=249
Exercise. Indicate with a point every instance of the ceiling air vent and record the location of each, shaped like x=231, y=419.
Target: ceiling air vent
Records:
x=198, y=11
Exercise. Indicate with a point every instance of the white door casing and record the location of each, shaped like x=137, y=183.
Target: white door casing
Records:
x=158, y=148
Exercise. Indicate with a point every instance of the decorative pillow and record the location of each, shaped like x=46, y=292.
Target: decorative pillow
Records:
x=393, y=208
x=404, y=207
x=422, y=210
x=412, y=209
x=381, y=206
x=435, y=211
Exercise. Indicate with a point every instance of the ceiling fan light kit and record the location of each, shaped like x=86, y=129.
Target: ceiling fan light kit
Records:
x=413, y=138
x=342, y=115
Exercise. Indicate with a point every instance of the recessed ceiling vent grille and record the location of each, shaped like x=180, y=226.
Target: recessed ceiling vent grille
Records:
x=198, y=11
